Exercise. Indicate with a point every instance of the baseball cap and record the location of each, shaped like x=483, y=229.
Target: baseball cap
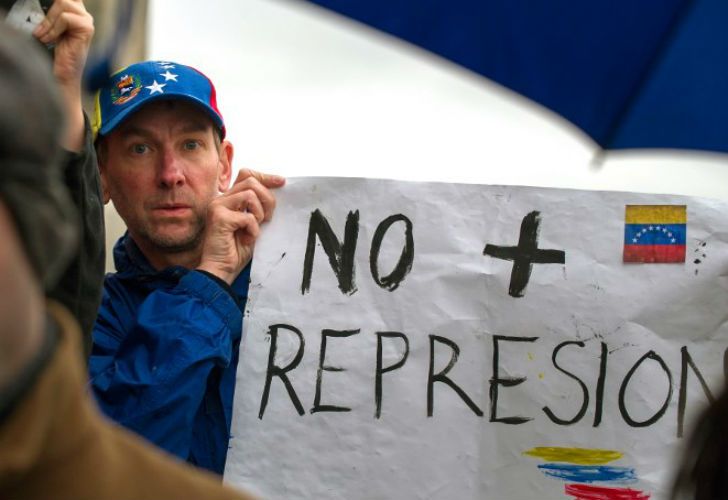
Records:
x=130, y=88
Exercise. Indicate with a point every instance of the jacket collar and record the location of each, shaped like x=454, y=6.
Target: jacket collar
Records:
x=131, y=263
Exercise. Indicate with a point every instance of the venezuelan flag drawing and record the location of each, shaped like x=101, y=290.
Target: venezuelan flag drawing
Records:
x=580, y=468
x=655, y=233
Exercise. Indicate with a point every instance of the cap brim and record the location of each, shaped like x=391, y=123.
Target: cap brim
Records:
x=109, y=126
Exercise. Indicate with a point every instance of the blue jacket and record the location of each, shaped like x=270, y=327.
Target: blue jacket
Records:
x=165, y=352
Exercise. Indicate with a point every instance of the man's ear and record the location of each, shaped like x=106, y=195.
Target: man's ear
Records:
x=226, y=166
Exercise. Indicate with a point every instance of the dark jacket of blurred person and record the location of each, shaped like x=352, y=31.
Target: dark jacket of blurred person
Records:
x=53, y=441
x=79, y=287
x=74, y=271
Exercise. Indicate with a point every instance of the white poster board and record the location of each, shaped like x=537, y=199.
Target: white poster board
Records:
x=390, y=350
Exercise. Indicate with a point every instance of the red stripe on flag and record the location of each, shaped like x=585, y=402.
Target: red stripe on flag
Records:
x=654, y=253
x=588, y=492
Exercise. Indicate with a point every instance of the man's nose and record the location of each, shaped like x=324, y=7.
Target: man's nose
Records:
x=171, y=170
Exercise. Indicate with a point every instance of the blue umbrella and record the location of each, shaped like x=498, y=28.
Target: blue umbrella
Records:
x=630, y=74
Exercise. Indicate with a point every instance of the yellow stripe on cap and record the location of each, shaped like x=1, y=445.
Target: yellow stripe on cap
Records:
x=656, y=214
x=96, y=122
x=579, y=456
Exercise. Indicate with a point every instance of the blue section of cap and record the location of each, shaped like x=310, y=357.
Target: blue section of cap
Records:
x=654, y=234
x=139, y=84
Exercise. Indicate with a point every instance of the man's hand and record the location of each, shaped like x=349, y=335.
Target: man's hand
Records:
x=233, y=223
x=70, y=27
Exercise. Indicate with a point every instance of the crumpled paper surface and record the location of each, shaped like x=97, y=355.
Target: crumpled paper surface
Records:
x=599, y=315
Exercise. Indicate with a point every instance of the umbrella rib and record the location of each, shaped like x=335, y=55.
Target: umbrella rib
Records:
x=660, y=51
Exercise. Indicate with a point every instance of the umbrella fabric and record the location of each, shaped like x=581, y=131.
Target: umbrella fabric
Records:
x=644, y=74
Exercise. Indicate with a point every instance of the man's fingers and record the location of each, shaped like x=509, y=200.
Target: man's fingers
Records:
x=66, y=23
x=54, y=28
x=64, y=15
x=248, y=234
x=233, y=223
x=268, y=180
x=261, y=184
x=61, y=6
x=243, y=201
x=229, y=240
x=246, y=222
x=224, y=220
x=265, y=196
x=246, y=227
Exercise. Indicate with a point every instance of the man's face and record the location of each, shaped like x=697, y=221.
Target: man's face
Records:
x=161, y=168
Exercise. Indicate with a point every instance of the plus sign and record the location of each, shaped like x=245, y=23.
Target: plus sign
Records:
x=525, y=254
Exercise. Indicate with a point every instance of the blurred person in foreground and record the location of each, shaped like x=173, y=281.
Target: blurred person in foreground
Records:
x=166, y=342
x=703, y=474
x=68, y=30
x=53, y=441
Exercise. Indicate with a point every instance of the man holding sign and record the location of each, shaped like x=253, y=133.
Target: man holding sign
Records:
x=166, y=340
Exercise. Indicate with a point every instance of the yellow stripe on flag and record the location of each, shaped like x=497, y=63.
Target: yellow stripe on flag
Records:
x=656, y=214
x=580, y=456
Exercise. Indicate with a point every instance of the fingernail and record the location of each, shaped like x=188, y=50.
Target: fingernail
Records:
x=39, y=29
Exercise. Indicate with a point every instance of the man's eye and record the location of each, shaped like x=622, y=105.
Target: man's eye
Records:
x=191, y=145
x=140, y=149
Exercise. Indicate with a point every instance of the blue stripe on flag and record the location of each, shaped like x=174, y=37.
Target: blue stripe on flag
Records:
x=654, y=234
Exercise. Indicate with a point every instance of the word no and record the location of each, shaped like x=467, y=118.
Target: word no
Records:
x=341, y=253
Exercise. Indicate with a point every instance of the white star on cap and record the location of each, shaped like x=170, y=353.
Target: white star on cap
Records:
x=155, y=88
x=169, y=76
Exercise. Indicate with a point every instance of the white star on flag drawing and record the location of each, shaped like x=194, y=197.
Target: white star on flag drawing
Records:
x=155, y=88
x=169, y=76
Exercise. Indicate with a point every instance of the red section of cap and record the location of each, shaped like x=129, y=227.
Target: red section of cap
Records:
x=213, y=105
x=213, y=99
x=589, y=492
